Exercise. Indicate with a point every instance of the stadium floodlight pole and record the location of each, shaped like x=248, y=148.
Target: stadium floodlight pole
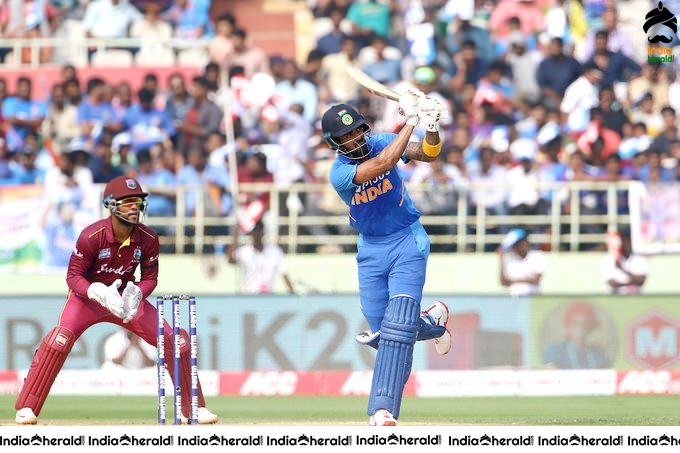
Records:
x=227, y=99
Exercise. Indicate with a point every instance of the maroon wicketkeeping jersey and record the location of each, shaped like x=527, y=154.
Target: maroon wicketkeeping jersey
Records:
x=99, y=257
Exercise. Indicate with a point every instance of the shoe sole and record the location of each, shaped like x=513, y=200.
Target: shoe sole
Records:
x=200, y=422
x=27, y=422
x=438, y=341
x=372, y=423
x=446, y=344
x=387, y=422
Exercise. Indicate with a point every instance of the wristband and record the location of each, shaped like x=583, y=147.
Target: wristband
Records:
x=431, y=150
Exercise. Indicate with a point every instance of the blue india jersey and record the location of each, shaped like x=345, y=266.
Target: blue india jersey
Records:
x=378, y=207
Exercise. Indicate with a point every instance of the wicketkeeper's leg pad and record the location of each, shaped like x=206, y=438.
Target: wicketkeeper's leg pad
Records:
x=185, y=370
x=46, y=364
x=398, y=334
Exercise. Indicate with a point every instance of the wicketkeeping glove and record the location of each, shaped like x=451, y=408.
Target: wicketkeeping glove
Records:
x=97, y=291
x=132, y=296
x=108, y=297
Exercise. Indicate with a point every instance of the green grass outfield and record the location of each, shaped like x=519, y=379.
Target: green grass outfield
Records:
x=600, y=410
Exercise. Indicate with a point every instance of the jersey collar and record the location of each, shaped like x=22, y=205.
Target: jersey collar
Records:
x=111, y=238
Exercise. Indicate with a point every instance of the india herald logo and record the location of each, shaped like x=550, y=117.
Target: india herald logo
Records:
x=660, y=27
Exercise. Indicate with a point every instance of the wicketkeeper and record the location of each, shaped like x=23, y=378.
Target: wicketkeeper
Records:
x=393, y=246
x=102, y=288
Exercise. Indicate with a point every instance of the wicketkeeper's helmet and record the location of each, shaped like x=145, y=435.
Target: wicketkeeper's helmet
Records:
x=124, y=191
x=340, y=120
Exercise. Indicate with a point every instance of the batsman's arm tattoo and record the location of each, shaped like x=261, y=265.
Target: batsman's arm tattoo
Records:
x=414, y=150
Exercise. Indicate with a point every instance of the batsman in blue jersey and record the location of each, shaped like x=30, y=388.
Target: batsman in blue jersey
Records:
x=393, y=246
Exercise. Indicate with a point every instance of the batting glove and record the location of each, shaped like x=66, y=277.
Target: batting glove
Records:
x=408, y=104
x=430, y=120
x=132, y=296
x=413, y=121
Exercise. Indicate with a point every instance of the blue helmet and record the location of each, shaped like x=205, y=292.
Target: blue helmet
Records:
x=340, y=120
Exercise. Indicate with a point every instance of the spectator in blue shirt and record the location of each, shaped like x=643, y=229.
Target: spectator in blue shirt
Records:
x=190, y=18
x=102, y=165
x=465, y=31
x=297, y=90
x=615, y=66
x=95, y=114
x=6, y=173
x=158, y=182
x=60, y=235
x=654, y=157
x=468, y=67
x=215, y=181
x=383, y=70
x=331, y=42
x=556, y=72
x=146, y=124
x=21, y=114
x=122, y=100
x=504, y=43
x=178, y=101
x=26, y=171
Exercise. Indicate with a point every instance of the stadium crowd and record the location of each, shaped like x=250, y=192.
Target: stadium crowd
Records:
x=536, y=91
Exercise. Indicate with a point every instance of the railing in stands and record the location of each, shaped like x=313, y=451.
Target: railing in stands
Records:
x=572, y=218
x=79, y=50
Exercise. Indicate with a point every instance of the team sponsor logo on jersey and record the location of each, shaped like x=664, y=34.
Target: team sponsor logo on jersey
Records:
x=153, y=258
x=131, y=183
x=61, y=340
x=104, y=253
x=370, y=190
x=76, y=252
x=137, y=254
x=115, y=270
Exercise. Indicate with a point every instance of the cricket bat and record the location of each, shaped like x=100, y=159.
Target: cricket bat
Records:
x=372, y=85
x=377, y=88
